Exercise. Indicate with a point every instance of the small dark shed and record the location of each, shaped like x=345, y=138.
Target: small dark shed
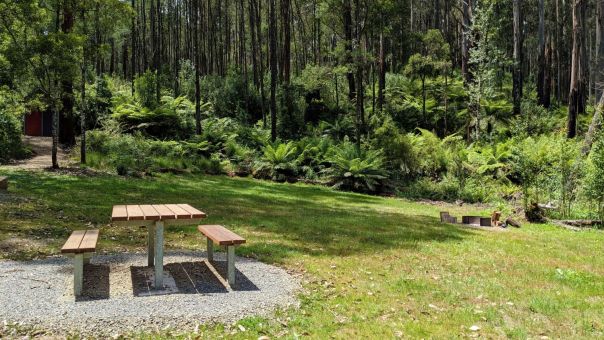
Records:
x=38, y=124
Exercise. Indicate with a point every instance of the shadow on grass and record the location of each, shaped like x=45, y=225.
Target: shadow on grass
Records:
x=278, y=219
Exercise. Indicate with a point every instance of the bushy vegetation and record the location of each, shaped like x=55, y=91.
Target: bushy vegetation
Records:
x=434, y=136
x=10, y=127
x=515, y=160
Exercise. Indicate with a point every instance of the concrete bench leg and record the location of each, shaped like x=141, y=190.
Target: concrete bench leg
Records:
x=78, y=274
x=159, y=255
x=231, y=265
x=151, y=246
x=87, y=257
x=210, y=250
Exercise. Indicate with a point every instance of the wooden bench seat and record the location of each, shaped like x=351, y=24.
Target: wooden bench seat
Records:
x=81, y=243
x=3, y=183
x=223, y=237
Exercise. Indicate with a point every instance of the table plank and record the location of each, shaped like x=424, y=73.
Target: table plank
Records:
x=119, y=213
x=194, y=212
x=73, y=242
x=135, y=213
x=221, y=235
x=150, y=213
x=164, y=212
x=179, y=212
x=89, y=241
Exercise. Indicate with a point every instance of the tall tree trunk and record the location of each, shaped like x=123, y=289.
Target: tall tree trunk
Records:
x=261, y=61
x=547, y=73
x=197, y=83
x=541, y=84
x=424, y=116
x=348, y=46
x=286, y=41
x=382, y=74
x=254, y=43
x=112, y=56
x=273, y=67
x=158, y=54
x=517, y=71
x=359, y=63
x=576, y=98
x=466, y=28
x=599, y=69
x=84, y=106
x=67, y=119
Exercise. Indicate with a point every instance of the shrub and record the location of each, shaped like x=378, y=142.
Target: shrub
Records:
x=173, y=118
x=219, y=133
x=313, y=156
x=356, y=170
x=137, y=155
x=145, y=87
x=398, y=151
x=278, y=162
x=432, y=153
x=10, y=127
x=341, y=127
x=594, y=184
x=533, y=161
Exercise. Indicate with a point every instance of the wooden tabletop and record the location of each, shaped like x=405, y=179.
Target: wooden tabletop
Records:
x=155, y=212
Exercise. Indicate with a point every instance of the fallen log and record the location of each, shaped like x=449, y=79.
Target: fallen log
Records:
x=512, y=222
x=565, y=226
x=582, y=223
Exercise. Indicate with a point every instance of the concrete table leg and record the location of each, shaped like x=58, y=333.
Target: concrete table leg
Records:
x=231, y=265
x=151, y=246
x=210, y=250
x=78, y=274
x=159, y=255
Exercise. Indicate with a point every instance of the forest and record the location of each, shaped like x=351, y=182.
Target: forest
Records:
x=496, y=101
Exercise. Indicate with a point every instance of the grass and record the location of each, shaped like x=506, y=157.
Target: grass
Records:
x=373, y=267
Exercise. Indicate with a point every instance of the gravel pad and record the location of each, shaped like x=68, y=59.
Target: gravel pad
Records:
x=118, y=298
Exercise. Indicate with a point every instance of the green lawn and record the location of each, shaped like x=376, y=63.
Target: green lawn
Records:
x=373, y=267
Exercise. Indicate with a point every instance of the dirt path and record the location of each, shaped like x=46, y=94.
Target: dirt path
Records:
x=42, y=147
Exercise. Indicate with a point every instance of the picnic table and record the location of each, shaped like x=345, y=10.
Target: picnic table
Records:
x=155, y=217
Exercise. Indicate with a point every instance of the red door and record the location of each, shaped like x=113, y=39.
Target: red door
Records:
x=33, y=124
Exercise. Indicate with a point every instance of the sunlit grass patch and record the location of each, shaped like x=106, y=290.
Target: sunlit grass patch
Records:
x=370, y=266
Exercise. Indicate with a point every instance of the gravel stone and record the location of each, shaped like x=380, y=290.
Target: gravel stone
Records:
x=117, y=298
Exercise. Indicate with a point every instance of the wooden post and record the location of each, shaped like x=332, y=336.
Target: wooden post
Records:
x=78, y=274
x=210, y=250
x=231, y=265
x=159, y=255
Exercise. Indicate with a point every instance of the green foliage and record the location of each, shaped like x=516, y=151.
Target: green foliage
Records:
x=145, y=87
x=354, y=169
x=313, y=156
x=532, y=162
x=230, y=96
x=173, y=118
x=433, y=58
x=10, y=126
x=595, y=176
x=431, y=153
x=399, y=154
x=340, y=128
x=569, y=174
x=135, y=155
x=291, y=106
x=278, y=162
